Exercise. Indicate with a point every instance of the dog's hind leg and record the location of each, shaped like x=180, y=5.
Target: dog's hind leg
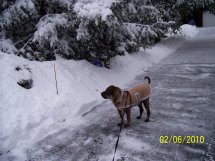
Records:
x=146, y=104
x=141, y=110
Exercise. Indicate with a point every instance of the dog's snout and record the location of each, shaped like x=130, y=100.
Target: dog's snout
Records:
x=103, y=95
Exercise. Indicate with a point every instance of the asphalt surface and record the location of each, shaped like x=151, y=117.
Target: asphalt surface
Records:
x=182, y=104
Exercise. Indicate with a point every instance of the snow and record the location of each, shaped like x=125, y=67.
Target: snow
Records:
x=134, y=143
x=7, y=46
x=189, y=31
x=93, y=9
x=132, y=8
x=47, y=26
x=21, y=6
x=140, y=30
x=67, y=3
x=28, y=115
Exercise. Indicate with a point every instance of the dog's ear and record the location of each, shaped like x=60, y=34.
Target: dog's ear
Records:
x=110, y=90
x=111, y=87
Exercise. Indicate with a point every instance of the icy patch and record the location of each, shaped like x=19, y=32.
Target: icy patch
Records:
x=193, y=150
x=177, y=106
x=105, y=158
x=133, y=143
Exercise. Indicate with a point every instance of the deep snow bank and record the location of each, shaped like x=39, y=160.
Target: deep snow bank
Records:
x=29, y=115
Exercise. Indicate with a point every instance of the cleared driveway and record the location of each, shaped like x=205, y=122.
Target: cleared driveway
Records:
x=182, y=104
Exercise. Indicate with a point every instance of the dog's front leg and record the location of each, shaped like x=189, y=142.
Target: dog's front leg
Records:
x=120, y=111
x=128, y=113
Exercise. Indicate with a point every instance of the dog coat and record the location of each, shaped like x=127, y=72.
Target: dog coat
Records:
x=137, y=93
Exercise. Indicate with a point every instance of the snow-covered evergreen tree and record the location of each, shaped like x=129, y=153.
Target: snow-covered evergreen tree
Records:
x=83, y=29
x=18, y=21
x=188, y=6
x=196, y=4
x=100, y=32
x=35, y=27
x=189, y=9
x=144, y=20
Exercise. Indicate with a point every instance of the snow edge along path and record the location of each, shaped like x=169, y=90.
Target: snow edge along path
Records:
x=27, y=116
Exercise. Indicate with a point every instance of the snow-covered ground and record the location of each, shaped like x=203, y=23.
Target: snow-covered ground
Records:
x=28, y=115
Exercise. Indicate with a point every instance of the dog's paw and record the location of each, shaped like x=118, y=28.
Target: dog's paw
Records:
x=127, y=125
x=146, y=120
x=120, y=124
x=138, y=117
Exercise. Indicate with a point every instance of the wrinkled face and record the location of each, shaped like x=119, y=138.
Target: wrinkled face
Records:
x=112, y=93
x=107, y=94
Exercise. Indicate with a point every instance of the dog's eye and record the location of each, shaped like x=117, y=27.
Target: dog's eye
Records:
x=109, y=93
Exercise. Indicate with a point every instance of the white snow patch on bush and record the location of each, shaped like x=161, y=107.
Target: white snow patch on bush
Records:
x=19, y=5
x=47, y=28
x=189, y=31
x=93, y=9
x=7, y=46
x=67, y=3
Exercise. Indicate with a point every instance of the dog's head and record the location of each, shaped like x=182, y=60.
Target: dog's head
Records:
x=113, y=93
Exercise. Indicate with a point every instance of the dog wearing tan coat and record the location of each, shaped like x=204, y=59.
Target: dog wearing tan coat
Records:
x=124, y=100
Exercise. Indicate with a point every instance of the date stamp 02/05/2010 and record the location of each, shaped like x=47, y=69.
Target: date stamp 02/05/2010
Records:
x=186, y=139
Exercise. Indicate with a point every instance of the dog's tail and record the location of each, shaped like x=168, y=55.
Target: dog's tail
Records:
x=149, y=80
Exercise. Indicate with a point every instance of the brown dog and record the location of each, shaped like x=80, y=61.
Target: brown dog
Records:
x=124, y=100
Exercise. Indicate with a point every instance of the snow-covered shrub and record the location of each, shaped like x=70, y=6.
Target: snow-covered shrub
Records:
x=19, y=20
x=5, y=4
x=135, y=11
x=84, y=29
x=143, y=20
x=188, y=31
x=99, y=31
x=35, y=27
x=52, y=6
x=144, y=34
x=47, y=38
x=167, y=9
x=111, y=28
x=7, y=46
x=194, y=4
